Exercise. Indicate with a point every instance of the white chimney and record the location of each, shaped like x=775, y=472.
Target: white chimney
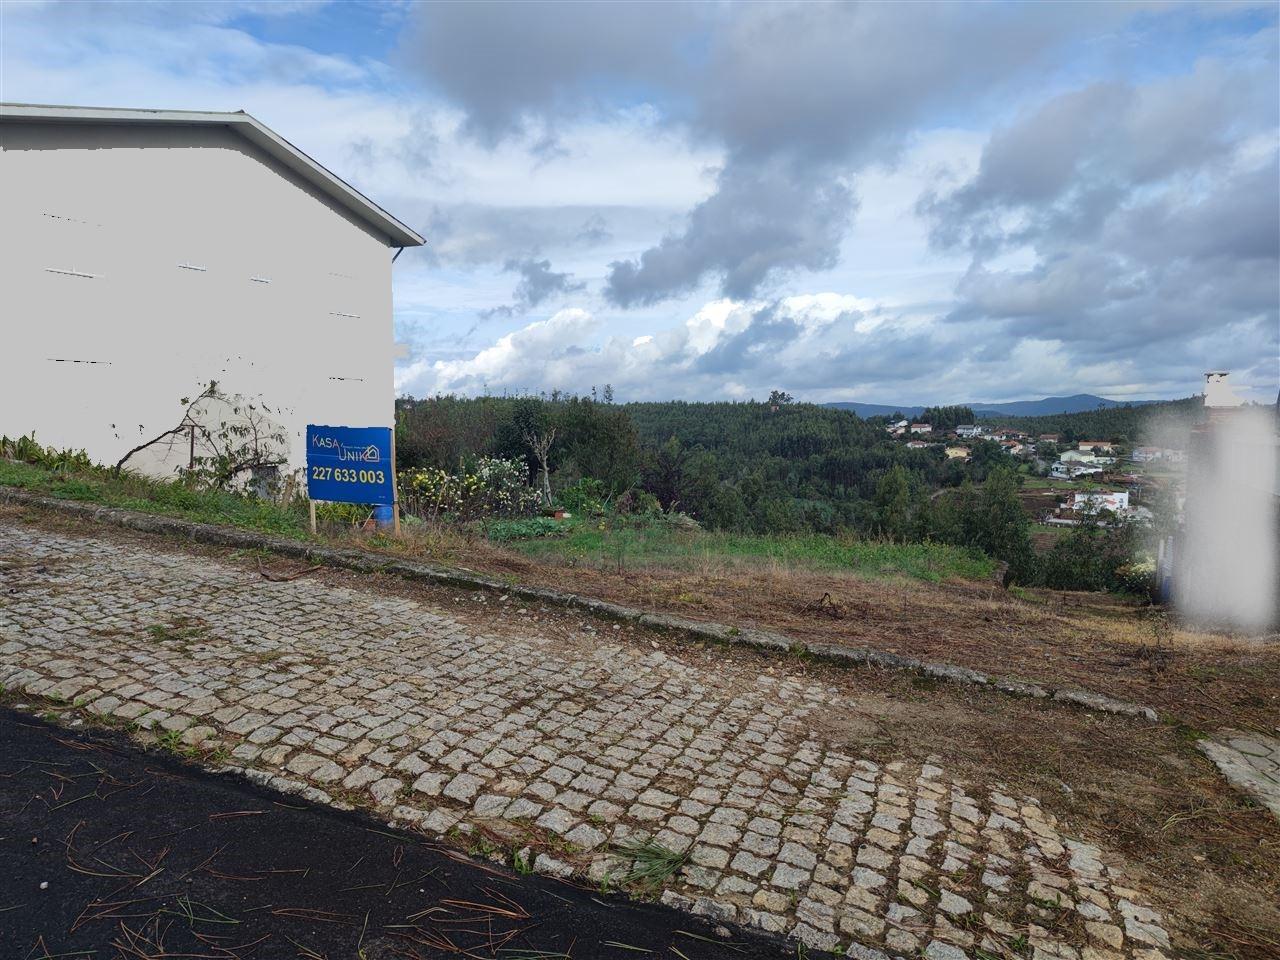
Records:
x=1218, y=392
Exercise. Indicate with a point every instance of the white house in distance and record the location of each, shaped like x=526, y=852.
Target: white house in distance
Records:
x=1116, y=502
x=144, y=253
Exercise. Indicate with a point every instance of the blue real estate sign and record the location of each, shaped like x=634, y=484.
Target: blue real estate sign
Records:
x=350, y=464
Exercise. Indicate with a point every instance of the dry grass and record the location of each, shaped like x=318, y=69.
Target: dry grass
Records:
x=1203, y=679
x=1141, y=791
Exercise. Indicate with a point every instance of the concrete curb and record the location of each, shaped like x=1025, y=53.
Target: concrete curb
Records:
x=764, y=640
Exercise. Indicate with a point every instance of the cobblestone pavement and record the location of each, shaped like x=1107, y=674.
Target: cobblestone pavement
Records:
x=565, y=748
x=1251, y=763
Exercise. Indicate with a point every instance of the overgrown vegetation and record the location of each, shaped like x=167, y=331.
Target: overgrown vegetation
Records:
x=70, y=476
x=622, y=544
x=489, y=487
x=673, y=484
x=227, y=437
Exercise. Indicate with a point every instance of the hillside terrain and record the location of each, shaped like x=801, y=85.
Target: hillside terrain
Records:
x=1046, y=406
x=1171, y=813
x=1133, y=424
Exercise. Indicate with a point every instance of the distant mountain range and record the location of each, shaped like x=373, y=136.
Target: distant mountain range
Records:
x=1077, y=403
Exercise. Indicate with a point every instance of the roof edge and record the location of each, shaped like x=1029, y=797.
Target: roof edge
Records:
x=397, y=233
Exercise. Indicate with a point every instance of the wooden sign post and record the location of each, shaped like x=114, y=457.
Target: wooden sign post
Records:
x=395, y=488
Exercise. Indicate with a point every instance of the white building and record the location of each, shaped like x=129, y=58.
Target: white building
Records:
x=1078, y=456
x=1095, y=500
x=1071, y=470
x=968, y=430
x=144, y=253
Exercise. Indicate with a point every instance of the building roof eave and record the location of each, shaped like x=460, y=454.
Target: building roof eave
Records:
x=397, y=234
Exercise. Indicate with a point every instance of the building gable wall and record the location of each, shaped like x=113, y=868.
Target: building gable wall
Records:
x=138, y=263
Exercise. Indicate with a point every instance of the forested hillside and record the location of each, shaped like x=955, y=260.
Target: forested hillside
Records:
x=1119, y=424
x=773, y=467
x=754, y=467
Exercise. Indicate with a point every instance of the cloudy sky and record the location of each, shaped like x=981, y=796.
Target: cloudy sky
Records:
x=885, y=202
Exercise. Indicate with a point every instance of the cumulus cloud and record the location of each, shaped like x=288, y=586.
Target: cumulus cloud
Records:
x=727, y=348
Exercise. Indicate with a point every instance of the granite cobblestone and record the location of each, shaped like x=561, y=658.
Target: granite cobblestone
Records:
x=318, y=689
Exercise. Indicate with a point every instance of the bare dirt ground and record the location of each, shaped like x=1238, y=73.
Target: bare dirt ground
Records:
x=1133, y=652
x=1210, y=858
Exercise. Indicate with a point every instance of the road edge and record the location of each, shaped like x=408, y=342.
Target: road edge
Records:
x=766, y=641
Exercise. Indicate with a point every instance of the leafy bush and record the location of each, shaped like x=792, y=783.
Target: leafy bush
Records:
x=28, y=450
x=528, y=528
x=1092, y=557
x=1137, y=577
x=493, y=487
x=990, y=519
x=585, y=496
x=640, y=503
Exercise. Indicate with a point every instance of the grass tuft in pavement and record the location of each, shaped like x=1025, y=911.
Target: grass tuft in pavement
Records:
x=653, y=864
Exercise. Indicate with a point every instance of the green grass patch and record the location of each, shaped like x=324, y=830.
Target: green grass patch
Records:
x=1049, y=483
x=168, y=497
x=652, y=863
x=613, y=543
x=527, y=528
x=656, y=543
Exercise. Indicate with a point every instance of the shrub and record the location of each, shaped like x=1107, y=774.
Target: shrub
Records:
x=639, y=503
x=1092, y=556
x=493, y=487
x=1137, y=577
x=528, y=528
x=28, y=450
x=585, y=496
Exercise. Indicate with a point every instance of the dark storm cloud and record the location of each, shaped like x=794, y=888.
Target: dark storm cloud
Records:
x=471, y=234
x=1079, y=156
x=762, y=219
x=538, y=283
x=797, y=95
x=508, y=63
x=1153, y=215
